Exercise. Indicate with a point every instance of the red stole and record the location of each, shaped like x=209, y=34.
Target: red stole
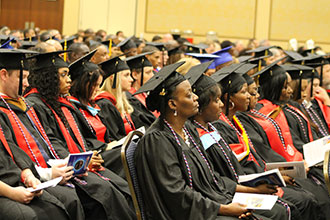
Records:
x=142, y=98
x=128, y=122
x=20, y=136
x=72, y=123
x=94, y=121
x=325, y=110
x=243, y=148
x=5, y=144
x=290, y=153
x=269, y=107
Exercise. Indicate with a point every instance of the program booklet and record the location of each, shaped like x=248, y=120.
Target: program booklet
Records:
x=272, y=177
x=314, y=151
x=255, y=201
x=293, y=169
x=80, y=162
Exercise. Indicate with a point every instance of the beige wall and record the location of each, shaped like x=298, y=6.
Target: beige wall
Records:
x=277, y=20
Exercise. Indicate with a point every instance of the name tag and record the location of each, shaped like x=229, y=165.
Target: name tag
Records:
x=209, y=139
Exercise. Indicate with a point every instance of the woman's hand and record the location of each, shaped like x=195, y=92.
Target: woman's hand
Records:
x=96, y=162
x=21, y=194
x=62, y=170
x=234, y=209
x=266, y=189
x=289, y=180
x=322, y=95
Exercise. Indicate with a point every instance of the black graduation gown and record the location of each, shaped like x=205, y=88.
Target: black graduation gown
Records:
x=114, y=195
x=299, y=200
x=163, y=174
x=111, y=118
x=259, y=139
x=319, y=117
x=141, y=116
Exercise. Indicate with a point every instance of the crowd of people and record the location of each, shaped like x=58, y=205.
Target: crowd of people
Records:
x=212, y=111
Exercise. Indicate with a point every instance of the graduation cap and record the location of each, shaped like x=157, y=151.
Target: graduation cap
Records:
x=225, y=56
x=268, y=72
x=175, y=50
x=127, y=44
x=243, y=59
x=300, y=72
x=35, y=38
x=51, y=59
x=205, y=57
x=113, y=66
x=308, y=51
x=107, y=43
x=28, y=44
x=315, y=61
x=198, y=81
x=5, y=44
x=82, y=65
x=15, y=59
x=139, y=62
x=244, y=69
x=293, y=56
x=194, y=48
x=261, y=51
x=229, y=80
x=158, y=80
x=160, y=46
x=66, y=43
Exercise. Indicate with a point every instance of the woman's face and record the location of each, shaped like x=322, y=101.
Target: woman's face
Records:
x=96, y=88
x=65, y=81
x=213, y=110
x=241, y=99
x=126, y=80
x=316, y=84
x=254, y=95
x=304, y=84
x=185, y=100
x=287, y=90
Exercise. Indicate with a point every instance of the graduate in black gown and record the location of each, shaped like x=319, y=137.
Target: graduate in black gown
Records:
x=141, y=72
x=22, y=131
x=222, y=156
x=177, y=179
x=103, y=193
x=16, y=201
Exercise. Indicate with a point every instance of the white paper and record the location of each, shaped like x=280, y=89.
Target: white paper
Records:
x=314, y=151
x=255, y=201
x=293, y=169
x=121, y=141
x=44, y=185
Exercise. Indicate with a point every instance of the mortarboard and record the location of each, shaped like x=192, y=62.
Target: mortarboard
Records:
x=261, y=51
x=224, y=56
x=35, y=38
x=243, y=70
x=158, y=80
x=229, y=80
x=160, y=46
x=243, y=59
x=5, y=44
x=198, y=81
x=127, y=44
x=82, y=65
x=12, y=59
x=51, y=59
x=139, y=62
x=194, y=48
x=66, y=43
x=28, y=44
x=205, y=57
x=113, y=66
x=175, y=50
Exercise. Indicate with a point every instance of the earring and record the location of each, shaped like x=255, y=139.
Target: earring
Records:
x=232, y=105
x=175, y=113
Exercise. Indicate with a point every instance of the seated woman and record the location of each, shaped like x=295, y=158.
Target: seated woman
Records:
x=102, y=193
x=141, y=72
x=171, y=162
x=117, y=81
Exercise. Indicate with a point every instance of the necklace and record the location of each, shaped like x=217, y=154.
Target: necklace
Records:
x=219, y=145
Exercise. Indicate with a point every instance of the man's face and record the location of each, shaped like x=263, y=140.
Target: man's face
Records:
x=11, y=82
x=101, y=55
x=155, y=59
